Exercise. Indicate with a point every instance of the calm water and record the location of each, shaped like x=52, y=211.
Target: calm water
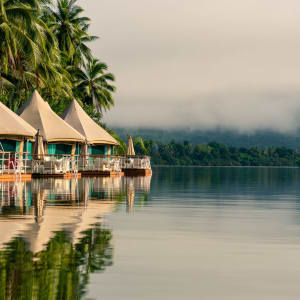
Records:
x=185, y=233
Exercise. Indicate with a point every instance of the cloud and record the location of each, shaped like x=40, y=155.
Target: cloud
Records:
x=201, y=63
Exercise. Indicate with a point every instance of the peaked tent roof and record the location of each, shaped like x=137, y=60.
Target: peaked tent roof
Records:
x=78, y=118
x=38, y=113
x=12, y=125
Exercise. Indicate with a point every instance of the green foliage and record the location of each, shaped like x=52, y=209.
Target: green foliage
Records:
x=43, y=45
x=215, y=154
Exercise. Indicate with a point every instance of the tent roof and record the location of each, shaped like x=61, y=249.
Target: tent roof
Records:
x=12, y=125
x=38, y=113
x=78, y=118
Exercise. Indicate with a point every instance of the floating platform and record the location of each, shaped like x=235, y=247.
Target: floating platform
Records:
x=137, y=172
x=102, y=173
x=14, y=177
x=62, y=175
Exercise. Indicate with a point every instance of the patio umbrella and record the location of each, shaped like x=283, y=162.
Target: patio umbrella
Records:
x=130, y=149
x=38, y=148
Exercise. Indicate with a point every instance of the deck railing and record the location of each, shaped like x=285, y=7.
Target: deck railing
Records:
x=99, y=163
x=54, y=164
x=20, y=163
x=136, y=162
x=14, y=162
x=113, y=162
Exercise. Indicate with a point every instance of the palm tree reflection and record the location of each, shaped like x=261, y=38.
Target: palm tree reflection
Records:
x=53, y=234
x=61, y=271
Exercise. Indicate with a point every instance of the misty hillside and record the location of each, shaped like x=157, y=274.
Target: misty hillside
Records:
x=229, y=138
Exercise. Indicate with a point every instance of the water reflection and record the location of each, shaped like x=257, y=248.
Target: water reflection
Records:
x=61, y=271
x=54, y=233
x=133, y=185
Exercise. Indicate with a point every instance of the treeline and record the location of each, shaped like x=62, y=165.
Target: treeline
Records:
x=215, y=154
x=261, y=138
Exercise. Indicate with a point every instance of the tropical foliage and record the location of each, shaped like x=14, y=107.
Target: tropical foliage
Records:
x=44, y=46
x=215, y=154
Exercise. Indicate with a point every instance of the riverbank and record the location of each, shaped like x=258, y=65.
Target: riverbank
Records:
x=215, y=154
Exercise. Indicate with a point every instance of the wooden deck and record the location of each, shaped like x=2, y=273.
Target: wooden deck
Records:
x=14, y=177
x=62, y=175
x=101, y=173
x=137, y=172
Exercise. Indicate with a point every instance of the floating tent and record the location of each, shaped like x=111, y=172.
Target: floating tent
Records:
x=58, y=136
x=14, y=131
x=99, y=140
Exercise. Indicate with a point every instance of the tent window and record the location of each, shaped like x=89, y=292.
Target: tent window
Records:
x=63, y=149
x=59, y=149
x=99, y=149
x=9, y=145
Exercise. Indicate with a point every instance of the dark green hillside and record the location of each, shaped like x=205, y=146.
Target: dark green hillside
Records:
x=260, y=139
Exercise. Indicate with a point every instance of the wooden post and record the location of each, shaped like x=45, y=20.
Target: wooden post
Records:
x=19, y=162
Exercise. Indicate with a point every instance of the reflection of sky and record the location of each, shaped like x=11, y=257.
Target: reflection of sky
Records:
x=208, y=234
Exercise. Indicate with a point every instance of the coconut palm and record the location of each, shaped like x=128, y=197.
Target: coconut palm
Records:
x=16, y=21
x=29, y=54
x=95, y=82
x=44, y=46
x=71, y=30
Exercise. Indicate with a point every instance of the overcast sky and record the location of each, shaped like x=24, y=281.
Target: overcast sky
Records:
x=201, y=63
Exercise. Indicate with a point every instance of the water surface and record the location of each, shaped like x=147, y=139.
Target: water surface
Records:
x=185, y=233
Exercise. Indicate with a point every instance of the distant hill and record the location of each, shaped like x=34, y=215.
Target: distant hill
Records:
x=261, y=138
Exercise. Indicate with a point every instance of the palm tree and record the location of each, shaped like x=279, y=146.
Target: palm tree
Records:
x=71, y=31
x=16, y=20
x=95, y=83
x=29, y=54
x=43, y=46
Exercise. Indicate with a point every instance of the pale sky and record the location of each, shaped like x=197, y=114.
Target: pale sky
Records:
x=201, y=63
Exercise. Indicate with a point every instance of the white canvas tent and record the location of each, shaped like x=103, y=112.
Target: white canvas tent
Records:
x=78, y=119
x=14, y=127
x=52, y=128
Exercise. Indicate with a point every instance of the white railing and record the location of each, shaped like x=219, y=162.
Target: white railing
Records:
x=99, y=163
x=113, y=163
x=54, y=164
x=136, y=162
x=21, y=163
x=14, y=163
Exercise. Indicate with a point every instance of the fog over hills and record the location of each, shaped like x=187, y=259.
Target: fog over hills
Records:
x=201, y=64
x=261, y=138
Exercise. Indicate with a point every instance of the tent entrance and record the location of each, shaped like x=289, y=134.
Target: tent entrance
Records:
x=59, y=149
